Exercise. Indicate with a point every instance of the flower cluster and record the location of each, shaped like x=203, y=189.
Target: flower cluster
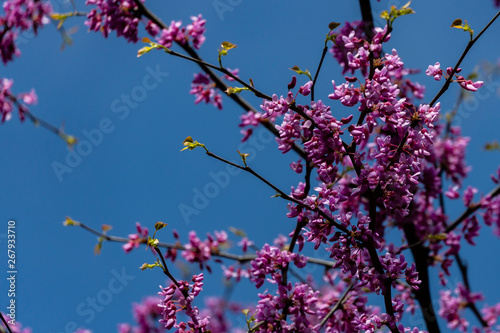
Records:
x=300, y=300
x=20, y=16
x=453, y=304
x=122, y=16
x=146, y=316
x=269, y=263
x=437, y=73
x=205, y=91
x=249, y=119
x=8, y=101
x=170, y=307
x=175, y=32
x=201, y=251
x=134, y=240
x=491, y=214
x=348, y=40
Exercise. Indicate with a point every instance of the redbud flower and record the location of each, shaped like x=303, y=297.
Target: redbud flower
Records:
x=118, y=15
x=136, y=239
x=204, y=90
x=306, y=88
x=468, y=84
x=8, y=101
x=195, y=31
x=296, y=166
x=19, y=16
x=434, y=71
x=152, y=28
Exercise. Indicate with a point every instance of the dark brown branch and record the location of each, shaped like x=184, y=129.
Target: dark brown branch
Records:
x=367, y=16
x=167, y=272
x=325, y=49
x=423, y=294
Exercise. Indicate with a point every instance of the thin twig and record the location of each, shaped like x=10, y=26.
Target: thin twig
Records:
x=280, y=192
x=226, y=255
x=462, y=57
x=325, y=49
x=465, y=276
x=221, y=85
x=167, y=272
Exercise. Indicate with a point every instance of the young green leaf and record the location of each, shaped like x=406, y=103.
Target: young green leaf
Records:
x=190, y=144
x=69, y=221
x=235, y=90
x=243, y=157
x=297, y=70
x=333, y=25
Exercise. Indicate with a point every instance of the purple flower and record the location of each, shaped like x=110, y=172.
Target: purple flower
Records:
x=205, y=91
x=121, y=16
x=306, y=88
x=232, y=71
x=269, y=262
x=470, y=229
x=170, y=307
x=136, y=239
x=245, y=243
x=429, y=115
x=468, y=84
x=434, y=71
x=177, y=33
x=349, y=39
x=276, y=106
x=195, y=31
x=452, y=306
x=346, y=93
x=469, y=195
x=297, y=166
x=196, y=250
x=19, y=16
x=452, y=192
x=152, y=28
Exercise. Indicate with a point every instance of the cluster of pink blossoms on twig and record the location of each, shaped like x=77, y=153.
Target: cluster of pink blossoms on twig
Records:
x=20, y=16
x=9, y=102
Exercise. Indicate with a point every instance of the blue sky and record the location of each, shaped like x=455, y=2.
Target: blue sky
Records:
x=136, y=172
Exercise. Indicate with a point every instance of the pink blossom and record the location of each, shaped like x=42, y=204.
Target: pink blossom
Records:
x=435, y=71
x=469, y=84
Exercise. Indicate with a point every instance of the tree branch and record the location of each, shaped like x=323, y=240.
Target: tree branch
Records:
x=216, y=79
x=226, y=255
